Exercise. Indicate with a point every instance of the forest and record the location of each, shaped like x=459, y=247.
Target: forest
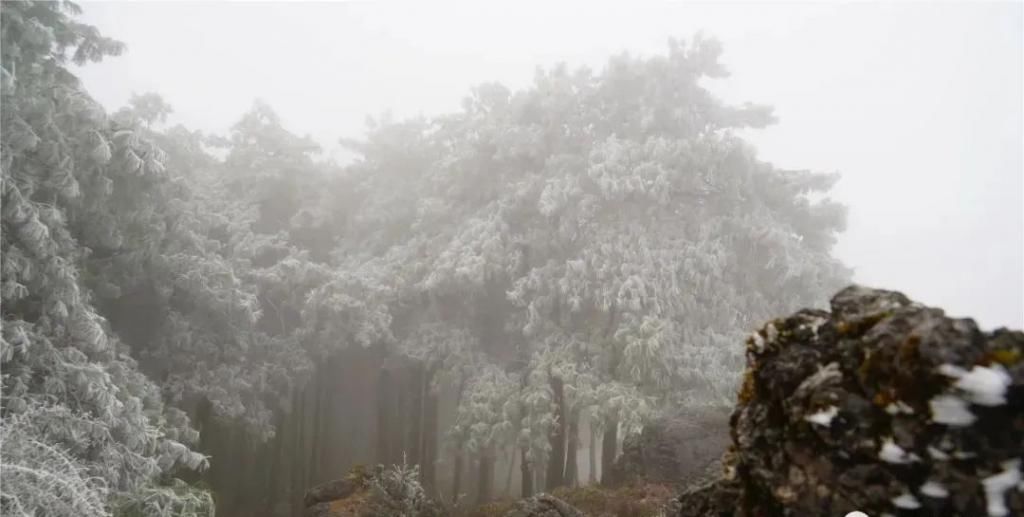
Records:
x=493, y=299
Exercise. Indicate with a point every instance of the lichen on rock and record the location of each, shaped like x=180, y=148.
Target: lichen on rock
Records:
x=883, y=406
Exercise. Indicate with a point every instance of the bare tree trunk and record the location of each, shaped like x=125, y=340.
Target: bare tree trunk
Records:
x=486, y=477
x=384, y=386
x=572, y=444
x=457, y=478
x=315, y=431
x=414, y=433
x=430, y=423
x=399, y=416
x=556, y=462
x=609, y=444
x=526, y=481
x=511, y=467
x=592, y=475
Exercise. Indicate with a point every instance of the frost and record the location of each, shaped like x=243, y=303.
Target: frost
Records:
x=934, y=489
x=898, y=407
x=997, y=485
x=758, y=342
x=984, y=385
x=906, y=501
x=823, y=417
x=950, y=410
x=892, y=453
x=952, y=370
x=937, y=454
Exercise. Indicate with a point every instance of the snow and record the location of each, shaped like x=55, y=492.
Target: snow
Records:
x=952, y=370
x=823, y=417
x=758, y=342
x=996, y=486
x=906, y=501
x=898, y=407
x=937, y=454
x=892, y=453
x=984, y=385
x=934, y=489
x=950, y=410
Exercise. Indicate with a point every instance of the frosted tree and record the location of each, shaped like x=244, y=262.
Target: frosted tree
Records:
x=617, y=210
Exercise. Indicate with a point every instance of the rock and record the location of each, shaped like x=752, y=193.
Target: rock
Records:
x=881, y=406
x=318, y=510
x=709, y=499
x=333, y=490
x=674, y=449
x=377, y=492
x=543, y=505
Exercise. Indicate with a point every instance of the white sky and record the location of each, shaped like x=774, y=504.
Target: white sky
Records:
x=917, y=105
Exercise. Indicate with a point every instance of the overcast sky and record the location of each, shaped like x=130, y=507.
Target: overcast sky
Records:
x=917, y=105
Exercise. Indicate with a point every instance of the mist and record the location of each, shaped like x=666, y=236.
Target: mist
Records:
x=916, y=105
x=518, y=259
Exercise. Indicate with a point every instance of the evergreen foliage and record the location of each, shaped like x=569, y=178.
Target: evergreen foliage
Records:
x=604, y=232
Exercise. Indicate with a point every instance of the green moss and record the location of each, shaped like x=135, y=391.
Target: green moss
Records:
x=859, y=327
x=1005, y=357
x=749, y=388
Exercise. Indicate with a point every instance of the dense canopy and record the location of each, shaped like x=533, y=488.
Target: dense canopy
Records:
x=563, y=261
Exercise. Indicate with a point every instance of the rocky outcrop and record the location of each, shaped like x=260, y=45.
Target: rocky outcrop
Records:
x=378, y=492
x=543, y=505
x=883, y=406
x=336, y=498
x=674, y=450
x=336, y=489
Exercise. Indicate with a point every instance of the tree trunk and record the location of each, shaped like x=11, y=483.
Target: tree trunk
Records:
x=572, y=444
x=384, y=385
x=486, y=477
x=526, y=481
x=430, y=421
x=556, y=462
x=457, y=478
x=315, y=431
x=511, y=467
x=592, y=445
x=399, y=417
x=609, y=444
x=415, y=420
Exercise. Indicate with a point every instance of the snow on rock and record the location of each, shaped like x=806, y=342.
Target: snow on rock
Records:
x=934, y=489
x=823, y=417
x=997, y=485
x=892, y=453
x=907, y=501
x=951, y=410
x=881, y=378
x=984, y=385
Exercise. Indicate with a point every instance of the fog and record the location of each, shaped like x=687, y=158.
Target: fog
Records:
x=917, y=105
x=282, y=259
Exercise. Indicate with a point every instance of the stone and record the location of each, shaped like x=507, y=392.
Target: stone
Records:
x=332, y=490
x=881, y=406
x=543, y=505
x=675, y=449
